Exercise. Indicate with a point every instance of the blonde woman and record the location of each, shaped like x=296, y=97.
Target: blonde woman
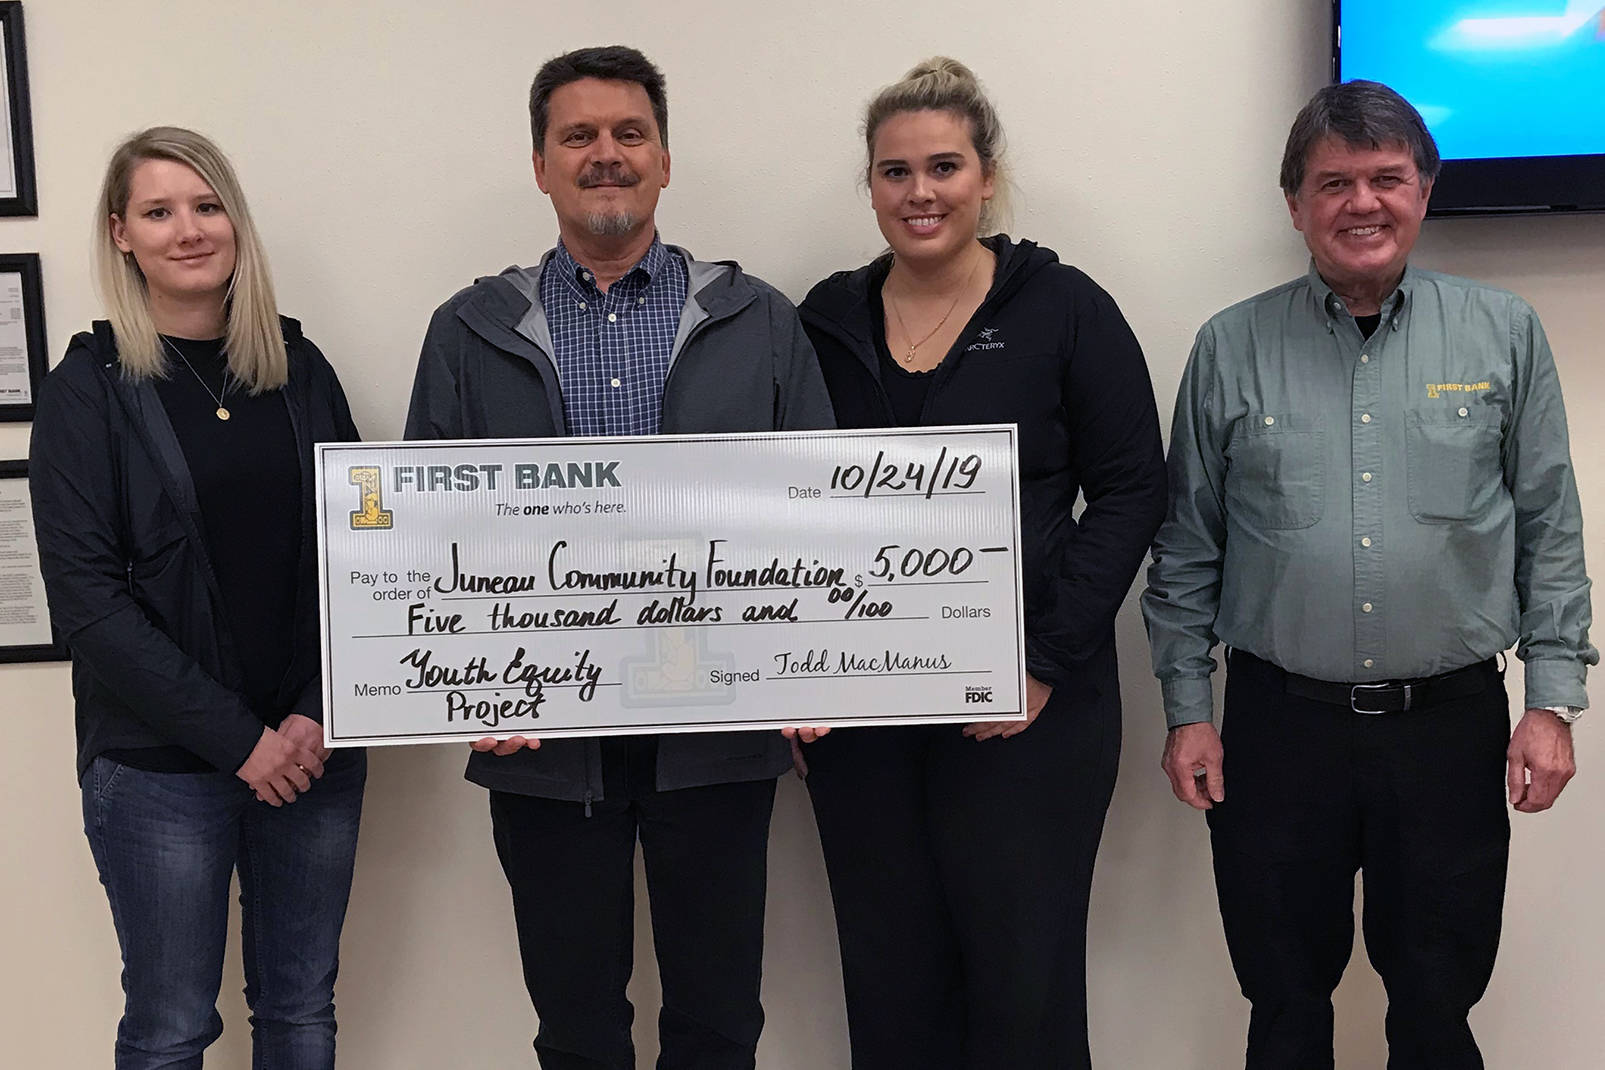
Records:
x=960, y=860
x=171, y=468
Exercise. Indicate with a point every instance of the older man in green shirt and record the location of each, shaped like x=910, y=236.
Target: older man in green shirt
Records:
x=1372, y=498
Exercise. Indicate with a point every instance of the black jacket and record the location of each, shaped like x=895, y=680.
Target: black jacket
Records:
x=1047, y=350
x=125, y=561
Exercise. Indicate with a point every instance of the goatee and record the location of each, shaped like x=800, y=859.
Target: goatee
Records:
x=610, y=224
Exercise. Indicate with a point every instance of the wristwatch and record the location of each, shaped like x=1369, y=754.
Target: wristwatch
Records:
x=1567, y=714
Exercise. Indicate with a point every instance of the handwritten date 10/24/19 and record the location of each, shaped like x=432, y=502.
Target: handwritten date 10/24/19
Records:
x=950, y=474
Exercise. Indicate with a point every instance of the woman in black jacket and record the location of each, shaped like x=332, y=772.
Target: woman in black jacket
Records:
x=960, y=861
x=171, y=470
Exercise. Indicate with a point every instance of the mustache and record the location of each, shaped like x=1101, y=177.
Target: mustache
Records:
x=617, y=175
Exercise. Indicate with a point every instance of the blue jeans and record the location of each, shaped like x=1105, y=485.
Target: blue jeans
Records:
x=166, y=845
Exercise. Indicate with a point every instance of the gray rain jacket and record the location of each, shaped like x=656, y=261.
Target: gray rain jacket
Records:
x=740, y=363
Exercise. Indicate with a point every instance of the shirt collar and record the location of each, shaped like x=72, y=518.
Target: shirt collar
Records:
x=638, y=277
x=1393, y=306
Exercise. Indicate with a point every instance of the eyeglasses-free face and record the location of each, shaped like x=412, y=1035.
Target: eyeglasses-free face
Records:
x=1360, y=211
x=927, y=185
x=604, y=163
x=176, y=229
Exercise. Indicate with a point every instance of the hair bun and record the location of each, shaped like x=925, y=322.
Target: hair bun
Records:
x=941, y=66
x=942, y=83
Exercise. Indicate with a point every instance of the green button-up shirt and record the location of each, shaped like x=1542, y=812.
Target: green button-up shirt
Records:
x=1361, y=510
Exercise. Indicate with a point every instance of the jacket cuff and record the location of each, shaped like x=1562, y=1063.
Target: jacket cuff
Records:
x=309, y=703
x=228, y=752
x=1188, y=700
x=1555, y=682
x=1039, y=666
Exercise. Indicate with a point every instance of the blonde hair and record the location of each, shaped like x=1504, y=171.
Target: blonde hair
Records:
x=944, y=84
x=254, y=341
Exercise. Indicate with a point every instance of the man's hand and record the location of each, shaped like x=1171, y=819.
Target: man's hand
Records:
x=1193, y=753
x=505, y=747
x=278, y=769
x=1037, y=694
x=1539, y=761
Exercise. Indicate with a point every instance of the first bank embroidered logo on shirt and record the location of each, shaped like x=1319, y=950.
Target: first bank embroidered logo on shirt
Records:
x=986, y=341
x=1439, y=389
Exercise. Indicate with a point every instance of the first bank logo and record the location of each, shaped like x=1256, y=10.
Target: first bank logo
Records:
x=372, y=516
x=1439, y=389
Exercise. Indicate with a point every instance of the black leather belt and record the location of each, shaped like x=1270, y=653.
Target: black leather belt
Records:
x=1388, y=696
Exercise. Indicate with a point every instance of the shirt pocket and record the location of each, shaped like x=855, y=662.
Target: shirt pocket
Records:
x=1276, y=479
x=1453, y=461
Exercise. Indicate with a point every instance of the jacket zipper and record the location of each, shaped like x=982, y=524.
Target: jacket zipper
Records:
x=304, y=462
x=588, y=743
x=674, y=362
x=189, y=516
x=851, y=345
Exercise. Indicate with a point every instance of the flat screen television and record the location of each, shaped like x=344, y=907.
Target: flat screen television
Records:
x=1513, y=91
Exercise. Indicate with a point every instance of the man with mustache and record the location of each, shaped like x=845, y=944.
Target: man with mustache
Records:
x=1372, y=498
x=617, y=333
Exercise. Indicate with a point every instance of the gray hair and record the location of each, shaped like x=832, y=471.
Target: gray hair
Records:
x=944, y=84
x=1363, y=114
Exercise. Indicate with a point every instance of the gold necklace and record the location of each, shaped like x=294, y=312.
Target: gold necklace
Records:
x=222, y=411
x=908, y=358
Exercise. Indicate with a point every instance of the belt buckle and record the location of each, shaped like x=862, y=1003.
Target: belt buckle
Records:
x=1354, y=696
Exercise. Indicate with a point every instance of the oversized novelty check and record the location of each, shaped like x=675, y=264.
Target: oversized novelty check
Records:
x=568, y=587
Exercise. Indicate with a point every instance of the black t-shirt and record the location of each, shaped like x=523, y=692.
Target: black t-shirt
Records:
x=1369, y=324
x=247, y=477
x=905, y=389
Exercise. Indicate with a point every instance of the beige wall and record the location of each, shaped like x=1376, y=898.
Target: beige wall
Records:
x=385, y=147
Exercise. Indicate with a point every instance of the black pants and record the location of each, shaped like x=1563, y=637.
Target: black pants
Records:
x=573, y=881
x=1416, y=800
x=960, y=872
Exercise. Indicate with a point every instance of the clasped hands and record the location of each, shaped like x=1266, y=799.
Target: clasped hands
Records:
x=285, y=760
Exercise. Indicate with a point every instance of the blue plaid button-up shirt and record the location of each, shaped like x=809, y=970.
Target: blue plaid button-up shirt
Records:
x=612, y=349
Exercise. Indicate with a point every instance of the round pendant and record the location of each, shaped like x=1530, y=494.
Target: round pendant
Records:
x=222, y=413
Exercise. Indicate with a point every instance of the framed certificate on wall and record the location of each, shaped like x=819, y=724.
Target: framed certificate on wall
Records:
x=22, y=335
x=25, y=631
x=18, y=195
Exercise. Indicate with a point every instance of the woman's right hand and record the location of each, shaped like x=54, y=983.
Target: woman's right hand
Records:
x=278, y=770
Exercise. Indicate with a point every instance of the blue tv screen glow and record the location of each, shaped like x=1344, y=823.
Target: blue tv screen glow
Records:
x=1496, y=81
